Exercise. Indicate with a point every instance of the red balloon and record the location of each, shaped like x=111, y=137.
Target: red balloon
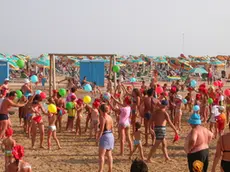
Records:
x=176, y=138
x=227, y=92
x=221, y=84
x=43, y=95
x=216, y=83
x=159, y=90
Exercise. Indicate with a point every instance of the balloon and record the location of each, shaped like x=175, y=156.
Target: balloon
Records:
x=159, y=90
x=69, y=105
x=52, y=108
x=34, y=79
x=87, y=99
x=62, y=92
x=221, y=84
x=133, y=79
x=185, y=101
x=193, y=83
x=227, y=92
x=43, y=95
x=19, y=94
x=210, y=101
x=38, y=92
x=106, y=96
x=196, y=108
x=20, y=63
x=216, y=83
x=87, y=88
x=116, y=68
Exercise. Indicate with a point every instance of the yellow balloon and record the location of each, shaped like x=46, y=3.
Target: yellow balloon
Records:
x=87, y=99
x=52, y=108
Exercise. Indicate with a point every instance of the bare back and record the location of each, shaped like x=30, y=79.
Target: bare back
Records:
x=159, y=117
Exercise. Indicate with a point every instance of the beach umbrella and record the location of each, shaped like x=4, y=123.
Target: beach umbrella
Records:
x=13, y=65
x=43, y=60
x=160, y=60
x=216, y=62
x=198, y=70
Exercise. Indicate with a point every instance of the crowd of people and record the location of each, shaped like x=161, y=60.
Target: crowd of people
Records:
x=125, y=110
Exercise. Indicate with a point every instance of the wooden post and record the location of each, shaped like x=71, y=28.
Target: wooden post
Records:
x=54, y=73
x=115, y=74
x=50, y=75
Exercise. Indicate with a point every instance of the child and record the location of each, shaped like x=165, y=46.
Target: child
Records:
x=137, y=141
x=94, y=118
x=7, y=146
x=94, y=91
x=220, y=121
x=178, y=112
x=79, y=110
x=43, y=80
x=214, y=113
x=189, y=102
x=52, y=130
x=71, y=114
x=88, y=118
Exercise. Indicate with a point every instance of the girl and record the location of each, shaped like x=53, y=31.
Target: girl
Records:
x=79, y=110
x=7, y=146
x=178, y=112
x=124, y=124
x=21, y=110
x=106, y=138
x=204, y=105
x=88, y=118
x=60, y=111
x=52, y=130
x=189, y=102
x=214, y=113
x=137, y=141
x=94, y=118
x=71, y=114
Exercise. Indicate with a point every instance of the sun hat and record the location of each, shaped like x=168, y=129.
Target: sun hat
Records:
x=221, y=108
x=26, y=81
x=194, y=119
x=7, y=79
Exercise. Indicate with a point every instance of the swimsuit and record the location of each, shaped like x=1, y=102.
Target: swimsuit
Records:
x=147, y=115
x=37, y=119
x=137, y=142
x=8, y=153
x=124, y=116
x=160, y=132
x=201, y=155
x=225, y=164
x=3, y=117
x=52, y=128
x=107, y=140
x=94, y=121
x=28, y=116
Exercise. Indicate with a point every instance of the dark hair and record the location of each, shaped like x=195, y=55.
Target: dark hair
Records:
x=73, y=89
x=103, y=108
x=37, y=97
x=118, y=80
x=150, y=92
x=139, y=166
x=137, y=125
x=137, y=92
x=12, y=93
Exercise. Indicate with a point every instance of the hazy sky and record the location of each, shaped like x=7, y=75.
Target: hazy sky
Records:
x=152, y=27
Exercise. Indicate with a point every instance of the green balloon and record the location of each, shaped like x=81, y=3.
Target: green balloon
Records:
x=69, y=105
x=210, y=101
x=62, y=92
x=20, y=63
x=116, y=68
x=19, y=94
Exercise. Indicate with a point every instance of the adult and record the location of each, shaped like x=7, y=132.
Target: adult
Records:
x=19, y=165
x=210, y=75
x=26, y=88
x=5, y=87
x=222, y=151
x=7, y=103
x=197, y=143
x=106, y=138
x=84, y=81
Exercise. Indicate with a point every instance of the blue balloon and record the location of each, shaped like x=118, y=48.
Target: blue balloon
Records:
x=185, y=101
x=38, y=92
x=133, y=80
x=34, y=79
x=87, y=88
x=196, y=108
x=193, y=83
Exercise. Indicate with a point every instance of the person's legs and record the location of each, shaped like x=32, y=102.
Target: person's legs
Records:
x=141, y=151
x=3, y=127
x=153, y=149
x=122, y=141
x=164, y=149
x=41, y=130
x=102, y=152
x=110, y=159
x=127, y=133
x=60, y=123
x=56, y=139
x=49, y=138
x=33, y=132
x=146, y=124
x=131, y=154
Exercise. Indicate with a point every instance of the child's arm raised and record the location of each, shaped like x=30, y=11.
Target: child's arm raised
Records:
x=117, y=102
x=113, y=108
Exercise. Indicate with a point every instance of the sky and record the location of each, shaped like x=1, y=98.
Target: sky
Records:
x=150, y=27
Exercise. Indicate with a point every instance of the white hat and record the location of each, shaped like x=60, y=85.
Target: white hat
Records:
x=179, y=97
x=26, y=81
x=221, y=108
x=7, y=79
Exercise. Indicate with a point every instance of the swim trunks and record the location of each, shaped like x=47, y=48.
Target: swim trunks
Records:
x=160, y=132
x=3, y=117
x=147, y=116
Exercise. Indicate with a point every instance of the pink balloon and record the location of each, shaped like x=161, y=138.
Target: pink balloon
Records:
x=159, y=90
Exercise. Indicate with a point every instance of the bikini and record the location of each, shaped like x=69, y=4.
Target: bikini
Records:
x=3, y=117
x=225, y=164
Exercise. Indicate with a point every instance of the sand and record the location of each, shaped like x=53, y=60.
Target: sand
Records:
x=78, y=153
